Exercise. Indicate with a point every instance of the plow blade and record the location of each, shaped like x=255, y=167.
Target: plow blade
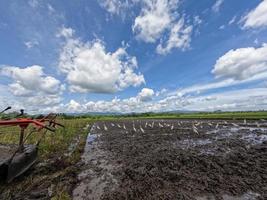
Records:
x=22, y=161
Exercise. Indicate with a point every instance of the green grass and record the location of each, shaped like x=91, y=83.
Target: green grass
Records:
x=195, y=115
x=51, y=141
x=57, y=168
x=228, y=115
x=206, y=115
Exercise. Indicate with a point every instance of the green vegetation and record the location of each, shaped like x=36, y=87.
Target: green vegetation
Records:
x=211, y=115
x=169, y=115
x=55, y=169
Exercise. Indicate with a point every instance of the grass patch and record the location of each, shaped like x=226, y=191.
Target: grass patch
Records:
x=202, y=115
x=55, y=172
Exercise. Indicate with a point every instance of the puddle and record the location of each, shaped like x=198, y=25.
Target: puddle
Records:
x=97, y=173
x=191, y=143
x=246, y=196
x=91, y=138
x=255, y=139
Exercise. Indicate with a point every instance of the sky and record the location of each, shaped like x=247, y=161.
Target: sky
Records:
x=133, y=56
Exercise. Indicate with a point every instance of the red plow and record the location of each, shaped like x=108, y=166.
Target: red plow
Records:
x=15, y=159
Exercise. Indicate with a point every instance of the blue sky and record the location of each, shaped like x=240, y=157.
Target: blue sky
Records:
x=133, y=55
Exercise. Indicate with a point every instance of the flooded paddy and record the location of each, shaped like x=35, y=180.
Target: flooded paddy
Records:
x=175, y=159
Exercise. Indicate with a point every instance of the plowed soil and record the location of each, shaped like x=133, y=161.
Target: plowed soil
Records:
x=175, y=159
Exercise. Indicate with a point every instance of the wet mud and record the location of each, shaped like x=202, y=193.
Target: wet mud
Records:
x=175, y=159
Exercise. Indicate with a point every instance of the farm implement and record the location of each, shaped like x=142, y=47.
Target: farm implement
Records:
x=18, y=157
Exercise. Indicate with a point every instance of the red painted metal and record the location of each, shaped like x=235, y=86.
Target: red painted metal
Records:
x=48, y=122
x=25, y=155
x=23, y=122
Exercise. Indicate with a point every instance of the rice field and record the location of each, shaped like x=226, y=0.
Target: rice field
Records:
x=175, y=159
x=134, y=158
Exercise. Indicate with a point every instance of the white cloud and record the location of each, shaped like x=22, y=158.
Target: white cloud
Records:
x=196, y=89
x=139, y=103
x=34, y=103
x=236, y=67
x=116, y=6
x=180, y=37
x=242, y=64
x=111, y=6
x=146, y=94
x=32, y=43
x=91, y=68
x=74, y=106
x=197, y=20
x=201, y=88
x=66, y=33
x=232, y=20
x=244, y=99
x=155, y=18
x=222, y=27
x=217, y=6
x=31, y=80
x=161, y=92
x=159, y=21
x=256, y=18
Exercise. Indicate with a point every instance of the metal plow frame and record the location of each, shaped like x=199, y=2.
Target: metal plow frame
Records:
x=20, y=157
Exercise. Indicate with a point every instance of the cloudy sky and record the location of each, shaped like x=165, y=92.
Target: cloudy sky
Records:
x=133, y=55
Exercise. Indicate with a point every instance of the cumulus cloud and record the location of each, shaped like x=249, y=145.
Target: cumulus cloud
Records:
x=244, y=99
x=216, y=7
x=74, y=106
x=157, y=22
x=236, y=67
x=31, y=80
x=156, y=16
x=34, y=103
x=242, y=64
x=180, y=37
x=91, y=68
x=139, y=103
x=160, y=22
x=146, y=94
x=256, y=18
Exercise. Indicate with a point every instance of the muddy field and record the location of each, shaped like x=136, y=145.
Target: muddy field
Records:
x=175, y=159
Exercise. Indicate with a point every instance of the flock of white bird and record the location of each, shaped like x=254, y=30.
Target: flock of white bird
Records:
x=196, y=125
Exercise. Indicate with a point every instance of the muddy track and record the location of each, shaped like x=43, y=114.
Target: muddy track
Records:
x=176, y=159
